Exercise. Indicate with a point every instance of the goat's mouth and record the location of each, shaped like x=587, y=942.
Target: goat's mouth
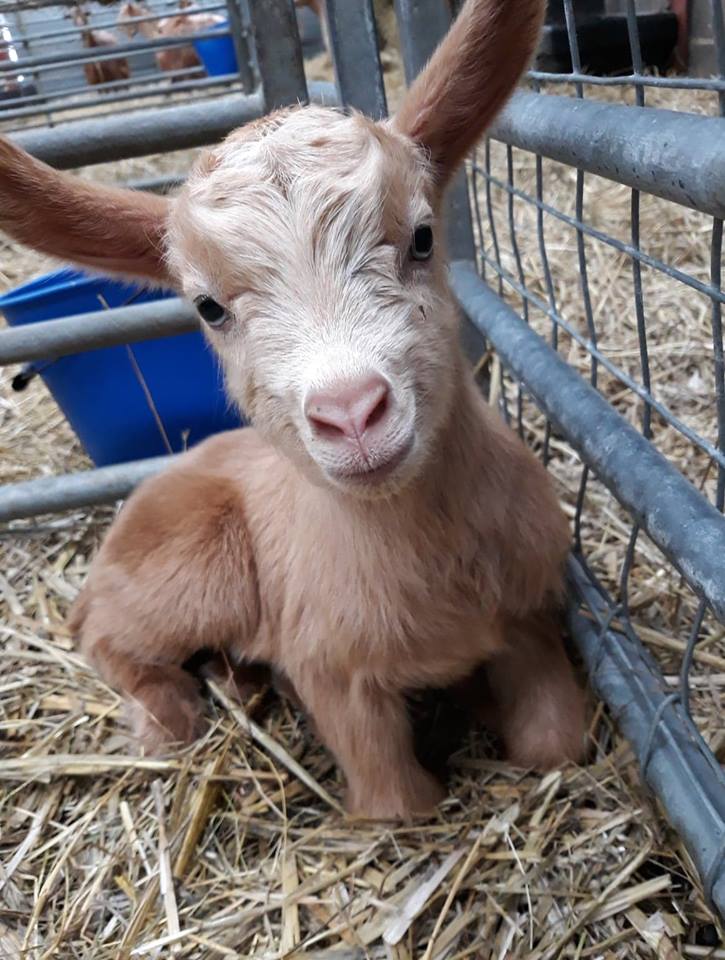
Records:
x=374, y=474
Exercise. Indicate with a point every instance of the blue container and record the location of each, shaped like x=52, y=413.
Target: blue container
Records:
x=217, y=53
x=102, y=394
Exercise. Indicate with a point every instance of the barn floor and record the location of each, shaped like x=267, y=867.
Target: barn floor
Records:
x=224, y=849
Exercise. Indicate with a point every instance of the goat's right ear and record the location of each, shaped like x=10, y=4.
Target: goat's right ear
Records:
x=107, y=229
x=469, y=78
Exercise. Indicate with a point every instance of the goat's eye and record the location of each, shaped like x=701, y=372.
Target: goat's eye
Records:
x=211, y=312
x=422, y=245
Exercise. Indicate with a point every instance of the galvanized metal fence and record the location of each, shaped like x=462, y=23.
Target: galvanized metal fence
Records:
x=552, y=369
x=608, y=419
x=59, y=62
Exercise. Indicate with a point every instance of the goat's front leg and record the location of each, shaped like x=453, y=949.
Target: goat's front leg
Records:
x=368, y=730
x=175, y=575
x=537, y=706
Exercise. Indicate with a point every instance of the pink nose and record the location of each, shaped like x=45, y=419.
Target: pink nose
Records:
x=349, y=409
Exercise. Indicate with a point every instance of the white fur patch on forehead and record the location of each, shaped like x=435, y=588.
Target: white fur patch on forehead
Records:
x=300, y=142
x=309, y=178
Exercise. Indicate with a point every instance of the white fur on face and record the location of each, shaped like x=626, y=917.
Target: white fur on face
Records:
x=301, y=227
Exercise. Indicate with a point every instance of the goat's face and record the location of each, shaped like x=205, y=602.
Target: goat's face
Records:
x=128, y=11
x=310, y=244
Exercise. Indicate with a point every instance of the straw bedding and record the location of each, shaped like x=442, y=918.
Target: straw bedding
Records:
x=236, y=846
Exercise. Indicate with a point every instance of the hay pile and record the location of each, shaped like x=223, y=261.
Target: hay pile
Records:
x=225, y=849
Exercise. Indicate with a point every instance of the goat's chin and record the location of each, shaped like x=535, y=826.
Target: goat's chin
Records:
x=380, y=482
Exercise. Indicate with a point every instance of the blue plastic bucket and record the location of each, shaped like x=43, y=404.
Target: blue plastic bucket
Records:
x=217, y=53
x=101, y=392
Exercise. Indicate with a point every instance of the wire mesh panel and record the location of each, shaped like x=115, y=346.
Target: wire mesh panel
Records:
x=625, y=285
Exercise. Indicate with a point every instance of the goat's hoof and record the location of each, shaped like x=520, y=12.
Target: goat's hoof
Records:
x=162, y=714
x=241, y=681
x=546, y=748
x=417, y=799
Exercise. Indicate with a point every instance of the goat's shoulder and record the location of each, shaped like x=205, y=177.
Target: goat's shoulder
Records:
x=180, y=550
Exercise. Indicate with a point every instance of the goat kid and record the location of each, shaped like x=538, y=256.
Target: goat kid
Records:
x=379, y=529
x=173, y=58
x=101, y=71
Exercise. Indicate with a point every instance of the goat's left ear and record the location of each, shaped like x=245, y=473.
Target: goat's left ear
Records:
x=110, y=230
x=469, y=78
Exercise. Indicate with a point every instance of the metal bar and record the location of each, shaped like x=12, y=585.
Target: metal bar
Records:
x=23, y=6
x=688, y=530
x=716, y=248
x=676, y=156
x=719, y=31
x=142, y=132
x=157, y=184
x=521, y=275
x=675, y=762
x=74, y=490
x=422, y=25
x=100, y=328
x=111, y=25
x=629, y=556
x=548, y=280
x=493, y=232
x=239, y=38
x=54, y=61
x=672, y=83
x=86, y=89
x=279, y=53
x=204, y=83
x=354, y=39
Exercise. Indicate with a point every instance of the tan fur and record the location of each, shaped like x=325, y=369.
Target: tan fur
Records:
x=175, y=58
x=470, y=78
x=99, y=227
x=360, y=563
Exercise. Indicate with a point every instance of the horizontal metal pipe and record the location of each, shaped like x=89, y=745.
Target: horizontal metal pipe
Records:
x=685, y=776
x=677, y=156
x=101, y=328
x=157, y=184
x=630, y=80
x=21, y=6
x=110, y=25
x=142, y=132
x=688, y=530
x=55, y=60
x=145, y=93
x=74, y=490
x=86, y=89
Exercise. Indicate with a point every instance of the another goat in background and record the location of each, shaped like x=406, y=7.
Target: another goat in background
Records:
x=100, y=71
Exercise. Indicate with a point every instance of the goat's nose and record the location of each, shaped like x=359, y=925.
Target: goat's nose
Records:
x=349, y=408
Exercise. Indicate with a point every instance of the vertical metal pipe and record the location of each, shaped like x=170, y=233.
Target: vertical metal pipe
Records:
x=422, y=25
x=241, y=48
x=354, y=38
x=279, y=53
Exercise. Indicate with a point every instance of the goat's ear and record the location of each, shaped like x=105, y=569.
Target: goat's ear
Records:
x=469, y=78
x=107, y=229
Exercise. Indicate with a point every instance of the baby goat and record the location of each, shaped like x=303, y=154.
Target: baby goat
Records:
x=380, y=529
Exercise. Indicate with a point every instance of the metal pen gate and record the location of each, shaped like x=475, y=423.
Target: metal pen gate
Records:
x=42, y=73
x=572, y=406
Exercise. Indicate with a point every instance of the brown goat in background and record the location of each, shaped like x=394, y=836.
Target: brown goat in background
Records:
x=179, y=25
x=101, y=71
x=379, y=529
